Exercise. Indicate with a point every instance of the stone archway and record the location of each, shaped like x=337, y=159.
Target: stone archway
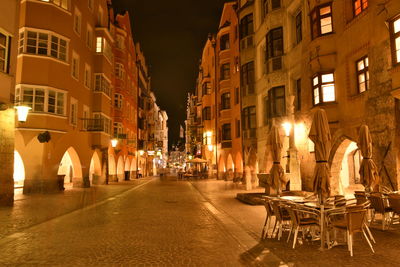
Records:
x=127, y=169
x=95, y=169
x=345, y=164
x=221, y=167
x=19, y=170
x=120, y=168
x=112, y=168
x=70, y=167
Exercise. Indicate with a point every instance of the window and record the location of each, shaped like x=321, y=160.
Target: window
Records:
x=118, y=101
x=299, y=33
x=206, y=88
x=5, y=42
x=237, y=128
x=298, y=94
x=102, y=46
x=266, y=110
x=77, y=21
x=118, y=129
x=323, y=88
x=276, y=102
x=321, y=20
x=246, y=26
x=73, y=115
x=102, y=84
x=43, y=43
x=226, y=101
x=119, y=71
x=60, y=3
x=247, y=79
x=120, y=42
x=225, y=71
x=362, y=74
x=249, y=118
x=206, y=113
x=226, y=132
x=89, y=36
x=395, y=38
x=88, y=76
x=41, y=99
x=237, y=95
x=275, y=4
x=275, y=43
x=101, y=123
x=75, y=66
x=224, y=42
x=359, y=6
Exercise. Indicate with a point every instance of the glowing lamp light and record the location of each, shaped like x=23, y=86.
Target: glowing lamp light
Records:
x=114, y=142
x=190, y=157
x=208, y=134
x=210, y=148
x=22, y=112
x=141, y=152
x=287, y=126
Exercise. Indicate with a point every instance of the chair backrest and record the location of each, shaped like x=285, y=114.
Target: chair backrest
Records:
x=294, y=216
x=340, y=201
x=377, y=202
x=394, y=202
x=268, y=207
x=355, y=219
x=360, y=196
x=276, y=209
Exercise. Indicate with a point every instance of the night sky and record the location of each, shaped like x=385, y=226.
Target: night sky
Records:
x=172, y=35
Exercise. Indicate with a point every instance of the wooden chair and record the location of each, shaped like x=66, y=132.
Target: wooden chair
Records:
x=282, y=217
x=352, y=220
x=301, y=219
x=394, y=202
x=268, y=219
x=379, y=206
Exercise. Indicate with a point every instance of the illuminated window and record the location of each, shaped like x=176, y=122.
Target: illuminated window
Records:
x=43, y=43
x=41, y=100
x=323, y=88
x=362, y=74
x=99, y=44
x=321, y=20
x=359, y=6
x=395, y=38
x=4, y=52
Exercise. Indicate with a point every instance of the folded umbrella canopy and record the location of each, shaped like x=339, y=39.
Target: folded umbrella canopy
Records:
x=368, y=170
x=321, y=136
x=277, y=179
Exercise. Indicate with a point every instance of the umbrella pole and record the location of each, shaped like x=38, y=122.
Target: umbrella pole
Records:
x=322, y=226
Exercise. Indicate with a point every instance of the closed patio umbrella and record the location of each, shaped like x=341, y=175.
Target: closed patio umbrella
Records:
x=277, y=175
x=368, y=170
x=321, y=136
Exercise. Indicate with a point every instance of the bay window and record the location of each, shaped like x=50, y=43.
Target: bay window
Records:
x=321, y=20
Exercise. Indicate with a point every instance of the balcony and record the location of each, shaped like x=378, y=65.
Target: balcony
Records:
x=226, y=144
x=96, y=125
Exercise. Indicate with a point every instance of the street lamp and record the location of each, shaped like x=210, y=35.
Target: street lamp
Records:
x=22, y=112
x=287, y=126
x=114, y=142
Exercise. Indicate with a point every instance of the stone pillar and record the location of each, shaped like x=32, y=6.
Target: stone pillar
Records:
x=6, y=157
x=293, y=160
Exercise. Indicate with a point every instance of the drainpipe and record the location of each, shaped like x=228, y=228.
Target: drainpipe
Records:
x=213, y=44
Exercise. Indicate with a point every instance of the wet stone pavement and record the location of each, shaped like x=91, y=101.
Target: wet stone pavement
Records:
x=153, y=222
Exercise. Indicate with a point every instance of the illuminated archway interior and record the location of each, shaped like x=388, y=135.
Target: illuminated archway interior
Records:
x=19, y=170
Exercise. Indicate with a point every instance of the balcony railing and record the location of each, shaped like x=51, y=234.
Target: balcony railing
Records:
x=96, y=125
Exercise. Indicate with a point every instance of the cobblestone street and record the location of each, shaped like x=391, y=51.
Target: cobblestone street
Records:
x=153, y=222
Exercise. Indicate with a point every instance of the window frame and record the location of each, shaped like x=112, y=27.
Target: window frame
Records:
x=75, y=67
x=246, y=26
x=206, y=113
x=362, y=8
x=319, y=86
x=225, y=71
x=276, y=4
x=248, y=113
x=273, y=98
x=77, y=26
x=364, y=72
x=298, y=22
x=317, y=11
x=272, y=42
x=7, y=52
x=393, y=37
x=226, y=101
x=224, y=42
x=226, y=132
